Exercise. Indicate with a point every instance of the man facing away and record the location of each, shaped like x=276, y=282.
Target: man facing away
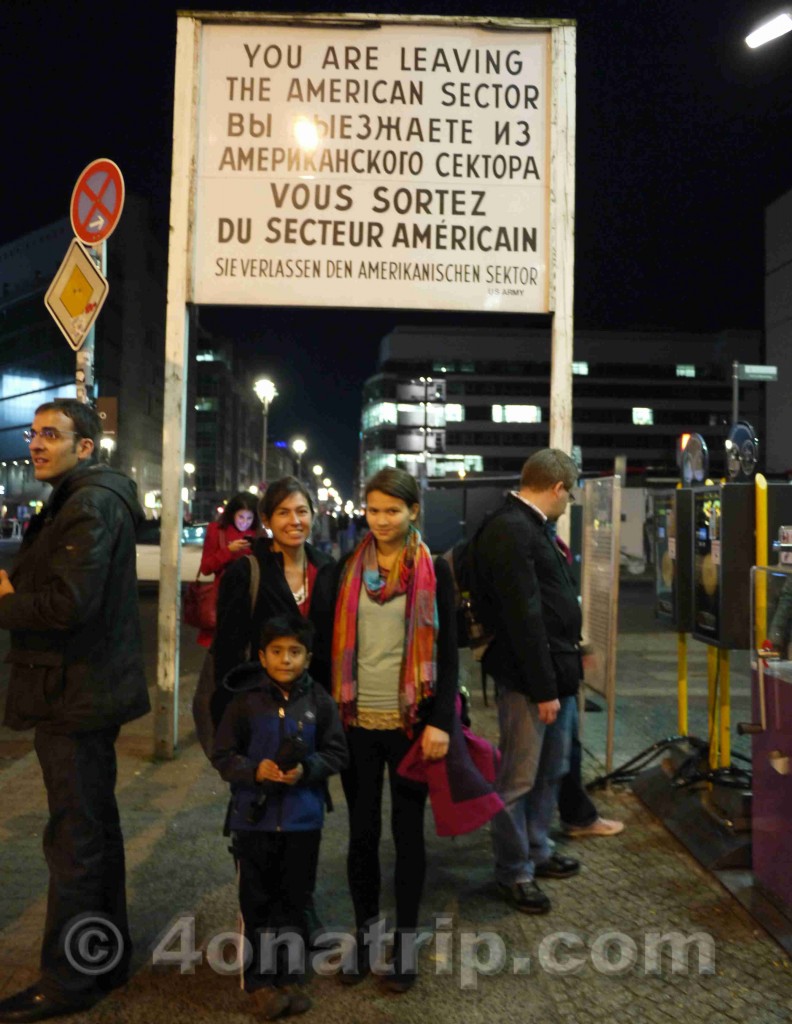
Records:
x=70, y=603
x=527, y=595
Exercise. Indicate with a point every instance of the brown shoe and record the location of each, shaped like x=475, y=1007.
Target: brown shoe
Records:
x=299, y=1001
x=270, y=1003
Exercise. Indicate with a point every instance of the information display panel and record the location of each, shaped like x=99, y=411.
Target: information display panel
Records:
x=723, y=553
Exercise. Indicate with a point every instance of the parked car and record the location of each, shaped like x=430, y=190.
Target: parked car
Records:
x=148, y=551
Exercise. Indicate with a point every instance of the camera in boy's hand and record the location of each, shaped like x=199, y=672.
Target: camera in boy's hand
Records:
x=289, y=755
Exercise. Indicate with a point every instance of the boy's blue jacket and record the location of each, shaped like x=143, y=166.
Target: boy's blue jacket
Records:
x=254, y=724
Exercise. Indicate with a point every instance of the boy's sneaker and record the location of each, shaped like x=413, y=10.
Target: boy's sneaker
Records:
x=299, y=1001
x=270, y=1003
x=599, y=827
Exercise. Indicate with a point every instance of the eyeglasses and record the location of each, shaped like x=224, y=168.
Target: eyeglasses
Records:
x=572, y=498
x=48, y=434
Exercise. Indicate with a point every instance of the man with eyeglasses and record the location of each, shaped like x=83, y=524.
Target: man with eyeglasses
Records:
x=526, y=595
x=70, y=604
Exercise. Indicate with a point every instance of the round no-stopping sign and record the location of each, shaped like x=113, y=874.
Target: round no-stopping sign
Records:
x=97, y=201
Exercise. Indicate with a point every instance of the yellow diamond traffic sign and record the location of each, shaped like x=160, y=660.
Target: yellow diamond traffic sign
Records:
x=76, y=295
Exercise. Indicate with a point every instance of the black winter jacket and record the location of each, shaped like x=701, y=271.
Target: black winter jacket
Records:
x=257, y=719
x=237, y=634
x=76, y=652
x=526, y=593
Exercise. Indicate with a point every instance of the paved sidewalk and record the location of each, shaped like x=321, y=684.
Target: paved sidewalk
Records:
x=564, y=968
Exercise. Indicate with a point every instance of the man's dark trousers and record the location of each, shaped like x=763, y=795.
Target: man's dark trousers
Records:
x=84, y=848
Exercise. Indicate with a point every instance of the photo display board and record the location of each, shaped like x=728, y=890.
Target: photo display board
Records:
x=405, y=165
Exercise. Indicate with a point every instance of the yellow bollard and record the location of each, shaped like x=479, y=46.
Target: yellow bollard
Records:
x=760, y=596
x=724, y=693
x=682, y=684
x=712, y=705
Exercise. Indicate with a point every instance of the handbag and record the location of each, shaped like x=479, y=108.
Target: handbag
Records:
x=205, y=688
x=199, y=607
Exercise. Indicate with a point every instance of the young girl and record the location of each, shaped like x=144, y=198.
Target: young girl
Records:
x=394, y=675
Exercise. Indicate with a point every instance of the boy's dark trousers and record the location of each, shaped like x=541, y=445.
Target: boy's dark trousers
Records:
x=275, y=869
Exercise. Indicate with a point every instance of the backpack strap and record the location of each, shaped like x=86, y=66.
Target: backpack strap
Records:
x=255, y=579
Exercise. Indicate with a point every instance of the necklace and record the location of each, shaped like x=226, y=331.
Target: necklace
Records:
x=301, y=595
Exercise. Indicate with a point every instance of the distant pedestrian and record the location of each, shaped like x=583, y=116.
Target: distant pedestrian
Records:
x=580, y=818
x=279, y=740
x=70, y=603
x=227, y=539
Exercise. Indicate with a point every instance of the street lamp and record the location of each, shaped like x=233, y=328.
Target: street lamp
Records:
x=107, y=445
x=187, y=492
x=266, y=391
x=772, y=29
x=299, y=447
x=318, y=470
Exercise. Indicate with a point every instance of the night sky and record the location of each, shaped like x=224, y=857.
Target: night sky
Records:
x=682, y=140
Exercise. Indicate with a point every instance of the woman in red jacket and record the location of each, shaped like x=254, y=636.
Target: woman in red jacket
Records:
x=226, y=540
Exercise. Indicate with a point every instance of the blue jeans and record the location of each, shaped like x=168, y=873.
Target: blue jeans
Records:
x=534, y=759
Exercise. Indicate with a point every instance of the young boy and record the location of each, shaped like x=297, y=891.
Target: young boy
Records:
x=279, y=739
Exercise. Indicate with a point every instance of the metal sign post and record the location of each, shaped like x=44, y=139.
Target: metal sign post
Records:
x=749, y=371
x=84, y=373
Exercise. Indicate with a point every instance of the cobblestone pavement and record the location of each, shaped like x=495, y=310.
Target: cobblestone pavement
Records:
x=593, y=958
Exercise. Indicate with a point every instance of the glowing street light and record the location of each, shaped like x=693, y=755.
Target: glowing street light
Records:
x=318, y=470
x=266, y=392
x=299, y=447
x=772, y=29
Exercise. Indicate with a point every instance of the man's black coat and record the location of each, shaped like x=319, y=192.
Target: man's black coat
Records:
x=526, y=593
x=76, y=651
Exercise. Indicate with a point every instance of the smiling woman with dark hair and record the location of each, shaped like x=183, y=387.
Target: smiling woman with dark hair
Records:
x=288, y=567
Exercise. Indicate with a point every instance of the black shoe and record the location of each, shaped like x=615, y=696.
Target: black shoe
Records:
x=526, y=897
x=557, y=867
x=397, y=983
x=32, y=1004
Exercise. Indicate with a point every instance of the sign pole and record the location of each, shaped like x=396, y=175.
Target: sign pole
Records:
x=166, y=717
x=562, y=246
x=84, y=374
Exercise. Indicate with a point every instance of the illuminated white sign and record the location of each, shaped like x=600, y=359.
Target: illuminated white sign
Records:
x=402, y=167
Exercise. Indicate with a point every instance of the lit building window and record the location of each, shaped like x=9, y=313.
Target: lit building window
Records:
x=580, y=369
x=375, y=461
x=516, y=414
x=378, y=413
x=642, y=417
x=685, y=370
x=455, y=413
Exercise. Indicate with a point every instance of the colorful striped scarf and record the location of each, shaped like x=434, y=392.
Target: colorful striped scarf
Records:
x=413, y=574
